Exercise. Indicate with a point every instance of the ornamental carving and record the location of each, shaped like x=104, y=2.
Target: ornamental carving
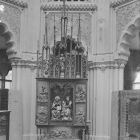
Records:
x=129, y=113
x=125, y=15
x=85, y=20
x=80, y=117
x=80, y=93
x=115, y=3
x=80, y=6
x=118, y=64
x=61, y=66
x=43, y=95
x=42, y=115
x=20, y=3
x=64, y=66
x=61, y=103
x=60, y=132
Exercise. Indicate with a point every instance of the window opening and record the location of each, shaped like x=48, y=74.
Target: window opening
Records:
x=5, y=79
x=136, y=84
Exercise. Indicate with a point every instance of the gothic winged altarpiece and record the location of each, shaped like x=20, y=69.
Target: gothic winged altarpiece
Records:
x=62, y=87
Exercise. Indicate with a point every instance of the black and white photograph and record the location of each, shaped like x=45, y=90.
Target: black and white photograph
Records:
x=69, y=69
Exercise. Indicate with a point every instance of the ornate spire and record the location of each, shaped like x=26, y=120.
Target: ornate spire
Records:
x=79, y=29
x=64, y=21
x=68, y=59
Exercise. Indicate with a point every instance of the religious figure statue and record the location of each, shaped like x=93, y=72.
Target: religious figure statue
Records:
x=56, y=109
x=80, y=95
x=43, y=136
x=67, y=109
x=42, y=97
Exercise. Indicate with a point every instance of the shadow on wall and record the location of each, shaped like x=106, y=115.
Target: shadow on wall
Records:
x=131, y=69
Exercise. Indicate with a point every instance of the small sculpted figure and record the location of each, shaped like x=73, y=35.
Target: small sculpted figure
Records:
x=56, y=109
x=67, y=109
x=43, y=95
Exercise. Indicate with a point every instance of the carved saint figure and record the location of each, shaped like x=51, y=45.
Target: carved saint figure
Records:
x=43, y=95
x=43, y=136
x=56, y=109
x=80, y=96
x=67, y=109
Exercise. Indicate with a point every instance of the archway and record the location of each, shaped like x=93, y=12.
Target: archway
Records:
x=6, y=39
x=6, y=49
x=130, y=47
x=128, y=34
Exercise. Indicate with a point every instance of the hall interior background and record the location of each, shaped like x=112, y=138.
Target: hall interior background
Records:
x=110, y=33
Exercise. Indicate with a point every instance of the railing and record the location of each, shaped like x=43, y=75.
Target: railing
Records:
x=4, y=125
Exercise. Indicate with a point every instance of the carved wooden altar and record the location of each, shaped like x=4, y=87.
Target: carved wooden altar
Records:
x=62, y=91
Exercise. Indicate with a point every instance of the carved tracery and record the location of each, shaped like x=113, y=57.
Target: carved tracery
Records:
x=62, y=82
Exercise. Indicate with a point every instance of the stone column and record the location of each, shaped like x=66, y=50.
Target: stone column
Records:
x=15, y=105
x=104, y=78
x=22, y=101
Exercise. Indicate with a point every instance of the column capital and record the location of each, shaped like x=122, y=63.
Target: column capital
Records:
x=24, y=63
x=116, y=64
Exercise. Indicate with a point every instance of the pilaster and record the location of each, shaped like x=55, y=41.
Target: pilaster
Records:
x=104, y=78
x=30, y=27
x=103, y=27
x=22, y=100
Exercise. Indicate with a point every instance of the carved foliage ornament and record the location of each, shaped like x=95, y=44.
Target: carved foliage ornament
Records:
x=116, y=3
x=73, y=20
x=71, y=7
x=18, y=3
x=80, y=117
x=120, y=64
